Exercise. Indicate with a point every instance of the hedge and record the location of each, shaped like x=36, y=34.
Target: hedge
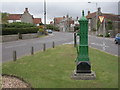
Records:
x=10, y=31
x=52, y=27
x=17, y=25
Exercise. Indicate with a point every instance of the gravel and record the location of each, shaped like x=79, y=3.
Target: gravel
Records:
x=13, y=82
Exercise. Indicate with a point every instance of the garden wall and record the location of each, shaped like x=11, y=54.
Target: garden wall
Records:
x=7, y=38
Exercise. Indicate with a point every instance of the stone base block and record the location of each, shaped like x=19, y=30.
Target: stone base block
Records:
x=83, y=76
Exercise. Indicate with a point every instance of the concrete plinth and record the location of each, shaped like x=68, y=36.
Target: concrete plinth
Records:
x=83, y=76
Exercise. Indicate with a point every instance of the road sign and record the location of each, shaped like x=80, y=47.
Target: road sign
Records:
x=101, y=18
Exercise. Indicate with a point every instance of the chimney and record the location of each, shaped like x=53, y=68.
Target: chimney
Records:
x=77, y=17
x=88, y=12
x=26, y=9
x=67, y=16
x=99, y=9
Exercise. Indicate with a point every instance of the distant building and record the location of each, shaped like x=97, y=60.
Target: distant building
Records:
x=65, y=24
x=57, y=20
x=108, y=17
x=25, y=17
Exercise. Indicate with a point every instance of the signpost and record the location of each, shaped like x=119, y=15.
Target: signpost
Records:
x=102, y=20
x=83, y=66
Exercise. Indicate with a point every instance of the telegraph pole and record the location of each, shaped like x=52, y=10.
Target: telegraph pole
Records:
x=44, y=15
x=96, y=18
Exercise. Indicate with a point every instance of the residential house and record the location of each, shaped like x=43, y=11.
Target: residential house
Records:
x=65, y=24
x=25, y=17
x=57, y=20
x=115, y=19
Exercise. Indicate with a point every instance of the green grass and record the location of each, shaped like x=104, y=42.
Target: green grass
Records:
x=53, y=69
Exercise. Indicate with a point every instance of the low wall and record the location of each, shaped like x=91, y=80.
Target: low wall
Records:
x=0, y=39
x=29, y=36
x=7, y=38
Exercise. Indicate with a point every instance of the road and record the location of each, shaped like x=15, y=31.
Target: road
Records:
x=23, y=47
x=109, y=46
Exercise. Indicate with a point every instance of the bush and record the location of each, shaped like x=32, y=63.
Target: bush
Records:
x=109, y=25
x=93, y=29
x=41, y=30
x=76, y=28
x=100, y=35
x=52, y=27
x=10, y=31
x=107, y=35
x=18, y=27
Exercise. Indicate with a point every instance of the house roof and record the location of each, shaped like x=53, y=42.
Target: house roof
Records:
x=14, y=16
x=91, y=15
x=18, y=17
x=58, y=19
x=37, y=20
x=112, y=17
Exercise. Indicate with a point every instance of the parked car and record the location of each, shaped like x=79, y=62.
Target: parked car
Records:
x=117, y=39
x=49, y=31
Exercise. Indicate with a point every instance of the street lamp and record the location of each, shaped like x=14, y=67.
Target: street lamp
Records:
x=44, y=15
x=96, y=17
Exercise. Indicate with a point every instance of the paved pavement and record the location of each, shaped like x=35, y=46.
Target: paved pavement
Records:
x=23, y=47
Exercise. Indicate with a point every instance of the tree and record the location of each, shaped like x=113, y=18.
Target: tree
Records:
x=4, y=18
x=109, y=25
x=52, y=27
x=41, y=23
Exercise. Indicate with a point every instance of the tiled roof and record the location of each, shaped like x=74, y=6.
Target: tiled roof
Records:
x=14, y=16
x=58, y=19
x=91, y=15
x=37, y=20
x=112, y=17
x=71, y=22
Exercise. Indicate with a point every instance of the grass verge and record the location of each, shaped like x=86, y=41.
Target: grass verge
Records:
x=53, y=68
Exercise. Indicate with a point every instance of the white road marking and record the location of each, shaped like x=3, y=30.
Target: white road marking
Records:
x=68, y=43
x=102, y=45
x=15, y=46
x=101, y=50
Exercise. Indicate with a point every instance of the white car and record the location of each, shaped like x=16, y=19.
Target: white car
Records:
x=49, y=31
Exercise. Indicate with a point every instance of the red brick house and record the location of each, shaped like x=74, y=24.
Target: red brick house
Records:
x=25, y=17
x=57, y=20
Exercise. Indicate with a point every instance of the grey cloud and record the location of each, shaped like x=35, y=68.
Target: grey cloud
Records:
x=55, y=9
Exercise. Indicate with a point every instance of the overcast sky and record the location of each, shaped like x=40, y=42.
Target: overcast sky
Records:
x=58, y=8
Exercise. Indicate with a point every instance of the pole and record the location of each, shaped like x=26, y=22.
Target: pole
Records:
x=96, y=19
x=32, y=50
x=44, y=15
x=14, y=56
x=44, y=47
x=75, y=42
x=104, y=33
x=53, y=44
